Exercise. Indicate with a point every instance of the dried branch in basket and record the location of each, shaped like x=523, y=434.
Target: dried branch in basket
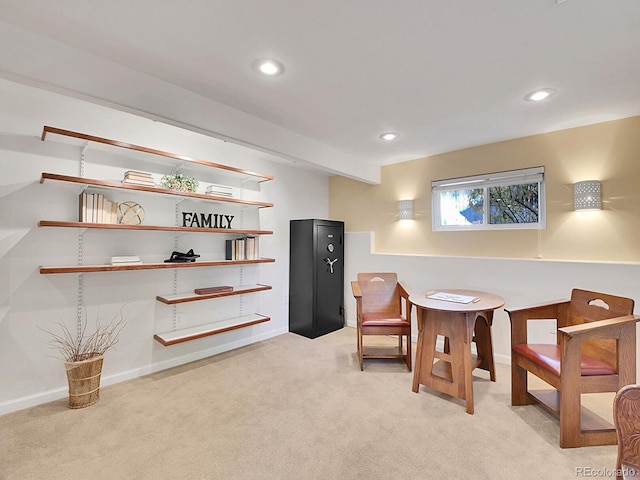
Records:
x=85, y=346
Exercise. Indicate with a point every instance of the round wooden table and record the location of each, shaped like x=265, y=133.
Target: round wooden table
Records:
x=461, y=317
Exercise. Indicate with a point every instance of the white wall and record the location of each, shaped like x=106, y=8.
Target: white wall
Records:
x=520, y=282
x=30, y=373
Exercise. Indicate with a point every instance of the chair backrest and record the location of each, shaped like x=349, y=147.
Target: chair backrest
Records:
x=626, y=416
x=379, y=292
x=587, y=306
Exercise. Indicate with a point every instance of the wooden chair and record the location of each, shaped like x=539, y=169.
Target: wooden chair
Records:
x=595, y=352
x=626, y=416
x=379, y=311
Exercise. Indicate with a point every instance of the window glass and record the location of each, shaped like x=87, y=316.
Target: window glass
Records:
x=461, y=207
x=514, y=204
x=513, y=199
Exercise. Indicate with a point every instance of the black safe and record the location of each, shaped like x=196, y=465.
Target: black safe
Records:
x=316, y=277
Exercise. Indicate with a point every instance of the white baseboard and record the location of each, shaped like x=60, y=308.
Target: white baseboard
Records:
x=62, y=392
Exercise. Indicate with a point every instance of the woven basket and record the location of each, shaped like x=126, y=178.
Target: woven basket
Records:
x=84, y=381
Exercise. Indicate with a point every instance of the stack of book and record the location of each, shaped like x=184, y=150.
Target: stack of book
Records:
x=246, y=248
x=138, y=178
x=220, y=190
x=95, y=208
x=126, y=260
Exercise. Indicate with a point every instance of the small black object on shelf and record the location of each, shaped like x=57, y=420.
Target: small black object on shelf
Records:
x=178, y=257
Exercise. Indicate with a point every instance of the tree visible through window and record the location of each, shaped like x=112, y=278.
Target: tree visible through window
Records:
x=514, y=204
x=513, y=199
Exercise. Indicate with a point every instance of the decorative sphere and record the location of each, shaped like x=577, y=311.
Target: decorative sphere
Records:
x=130, y=213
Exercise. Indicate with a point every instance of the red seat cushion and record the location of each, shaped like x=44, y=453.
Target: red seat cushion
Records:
x=383, y=320
x=548, y=357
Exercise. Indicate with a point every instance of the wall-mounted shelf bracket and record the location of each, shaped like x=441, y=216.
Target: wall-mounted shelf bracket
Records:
x=82, y=159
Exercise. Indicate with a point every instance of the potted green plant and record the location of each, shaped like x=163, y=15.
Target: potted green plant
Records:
x=180, y=182
x=83, y=355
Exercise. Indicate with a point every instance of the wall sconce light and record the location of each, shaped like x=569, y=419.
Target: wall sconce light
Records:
x=586, y=195
x=405, y=210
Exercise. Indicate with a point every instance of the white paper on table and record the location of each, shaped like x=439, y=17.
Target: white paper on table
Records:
x=451, y=297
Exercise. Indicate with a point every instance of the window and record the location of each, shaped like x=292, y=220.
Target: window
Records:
x=504, y=200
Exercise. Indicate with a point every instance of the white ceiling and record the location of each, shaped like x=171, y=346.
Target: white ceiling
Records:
x=444, y=74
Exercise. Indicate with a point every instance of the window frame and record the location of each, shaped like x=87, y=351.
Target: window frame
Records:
x=497, y=179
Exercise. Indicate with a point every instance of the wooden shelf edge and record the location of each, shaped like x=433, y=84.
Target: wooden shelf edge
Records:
x=91, y=138
x=146, y=266
x=194, y=333
x=117, y=226
x=194, y=297
x=143, y=188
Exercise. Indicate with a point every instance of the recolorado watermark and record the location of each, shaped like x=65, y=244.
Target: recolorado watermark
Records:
x=591, y=472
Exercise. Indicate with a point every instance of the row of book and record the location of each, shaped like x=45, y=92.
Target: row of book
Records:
x=138, y=178
x=245, y=248
x=95, y=208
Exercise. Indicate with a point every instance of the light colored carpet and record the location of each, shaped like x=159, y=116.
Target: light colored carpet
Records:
x=290, y=408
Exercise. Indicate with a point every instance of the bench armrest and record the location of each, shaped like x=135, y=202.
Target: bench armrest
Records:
x=598, y=329
x=355, y=288
x=539, y=311
x=404, y=290
x=519, y=317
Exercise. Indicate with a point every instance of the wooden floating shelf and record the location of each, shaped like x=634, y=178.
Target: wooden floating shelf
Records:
x=193, y=333
x=147, y=266
x=194, y=297
x=115, y=143
x=143, y=188
x=117, y=226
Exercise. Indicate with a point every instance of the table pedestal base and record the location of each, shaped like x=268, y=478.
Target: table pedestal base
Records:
x=450, y=370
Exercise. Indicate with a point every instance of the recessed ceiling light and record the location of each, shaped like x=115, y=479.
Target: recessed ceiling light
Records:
x=389, y=136
x=539, y=95
x=268, y=66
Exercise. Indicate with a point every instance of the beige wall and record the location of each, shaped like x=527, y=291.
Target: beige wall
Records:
x=607, y=151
